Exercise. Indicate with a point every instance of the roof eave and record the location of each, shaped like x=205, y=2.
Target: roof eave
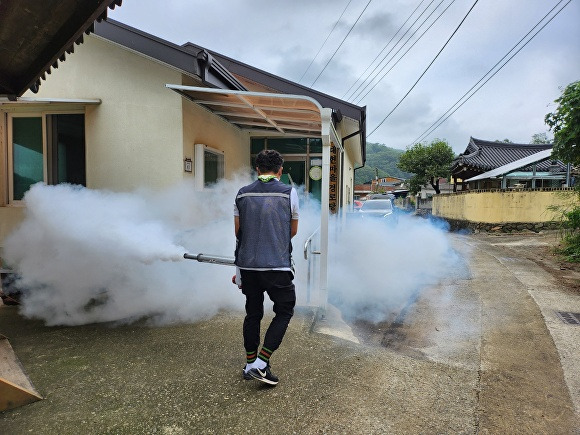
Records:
x=68, y=33
x=199, y=64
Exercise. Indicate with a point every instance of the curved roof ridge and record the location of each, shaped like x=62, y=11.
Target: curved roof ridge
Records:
x=489, y=143
x=483, y=155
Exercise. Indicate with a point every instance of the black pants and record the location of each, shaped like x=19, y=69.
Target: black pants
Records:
x=280, y=289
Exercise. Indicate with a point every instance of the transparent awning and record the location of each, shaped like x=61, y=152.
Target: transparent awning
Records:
x=257, y=111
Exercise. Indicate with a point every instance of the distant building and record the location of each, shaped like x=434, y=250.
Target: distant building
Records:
x=497, y=165
x=386, y=184
x=445, y=186
x=393, y=185
x=362, y=190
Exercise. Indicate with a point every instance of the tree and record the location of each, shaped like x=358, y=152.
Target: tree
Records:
x=503, y=141
x=383, y=158
x=565, y=123
x=428, y=163
x=540, y=138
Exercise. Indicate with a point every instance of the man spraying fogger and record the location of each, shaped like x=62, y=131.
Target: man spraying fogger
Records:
x=265, y=220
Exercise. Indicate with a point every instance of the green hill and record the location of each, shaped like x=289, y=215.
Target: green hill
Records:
x=381, y=159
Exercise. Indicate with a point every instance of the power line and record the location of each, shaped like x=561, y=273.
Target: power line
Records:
x=431, y=129
x=333, y=54
x=386, y=45
x=324, y=43
x=426, y=69
x=444, y=118
x=356, y=93
x=408, y=49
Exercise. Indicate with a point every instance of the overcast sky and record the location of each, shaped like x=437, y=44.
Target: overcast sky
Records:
x=283, y=38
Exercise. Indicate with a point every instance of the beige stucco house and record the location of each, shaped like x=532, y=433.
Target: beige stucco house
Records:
x=128, y=109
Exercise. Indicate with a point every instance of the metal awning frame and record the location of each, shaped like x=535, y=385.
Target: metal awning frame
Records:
x=307, y=111
x=27, y=101
x=283, y=113
x=29, y=105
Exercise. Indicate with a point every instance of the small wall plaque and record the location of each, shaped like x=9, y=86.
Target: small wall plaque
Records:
x=187, y=165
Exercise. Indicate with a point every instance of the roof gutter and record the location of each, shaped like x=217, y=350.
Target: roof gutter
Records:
x=201, y=64
x=215, y=75
x=362, y=133
x=147, y=45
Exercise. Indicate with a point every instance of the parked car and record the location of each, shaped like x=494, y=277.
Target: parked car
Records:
x=357, y=205
x=381, y=196
x=376, y=208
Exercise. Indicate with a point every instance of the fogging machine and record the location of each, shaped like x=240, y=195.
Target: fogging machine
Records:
x=215, y=259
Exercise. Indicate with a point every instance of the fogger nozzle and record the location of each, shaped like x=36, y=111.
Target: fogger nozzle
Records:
x=215, y=259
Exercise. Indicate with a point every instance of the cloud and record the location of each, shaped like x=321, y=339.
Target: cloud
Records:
x=377, y=28
x=288, y=36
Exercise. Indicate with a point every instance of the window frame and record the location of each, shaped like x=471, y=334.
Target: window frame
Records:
x=199, y=174
x=45, y=145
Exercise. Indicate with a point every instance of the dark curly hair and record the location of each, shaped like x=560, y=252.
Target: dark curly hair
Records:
x=269, y=161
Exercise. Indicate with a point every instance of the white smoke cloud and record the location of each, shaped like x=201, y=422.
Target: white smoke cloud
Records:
x=86, y=256
x=386, y=263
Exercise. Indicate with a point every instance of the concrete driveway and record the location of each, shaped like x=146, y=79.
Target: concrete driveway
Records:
x=483, y=353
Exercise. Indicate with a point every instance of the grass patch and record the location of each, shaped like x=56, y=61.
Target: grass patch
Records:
x=570, y=247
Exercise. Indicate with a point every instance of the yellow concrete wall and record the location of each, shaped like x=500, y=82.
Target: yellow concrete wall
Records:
x=503, y=207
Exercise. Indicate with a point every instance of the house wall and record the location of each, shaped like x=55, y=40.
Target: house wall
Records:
x=201, y=127
x=529, y=206
x=348, y=183
x=352, y=159
x=134, y=137
x=10, y=218
x=140, y=133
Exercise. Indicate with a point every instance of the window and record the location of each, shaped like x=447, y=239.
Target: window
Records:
x=286, y=145
x=300, y=155
x=257, y=145
x=47, y=148
x=27, y=154
x=67, y=152
x=209, y=165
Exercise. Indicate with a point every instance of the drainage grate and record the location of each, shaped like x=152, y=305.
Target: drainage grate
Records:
x=570, y=318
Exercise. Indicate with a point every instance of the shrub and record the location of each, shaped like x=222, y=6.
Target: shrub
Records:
x=570, y=223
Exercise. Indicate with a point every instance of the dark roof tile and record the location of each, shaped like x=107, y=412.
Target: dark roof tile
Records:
x=486, y=155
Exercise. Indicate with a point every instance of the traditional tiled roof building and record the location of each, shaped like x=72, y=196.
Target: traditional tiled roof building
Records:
x=482, y=156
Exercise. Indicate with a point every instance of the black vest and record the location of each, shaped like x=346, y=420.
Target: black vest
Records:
x=264, y=236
